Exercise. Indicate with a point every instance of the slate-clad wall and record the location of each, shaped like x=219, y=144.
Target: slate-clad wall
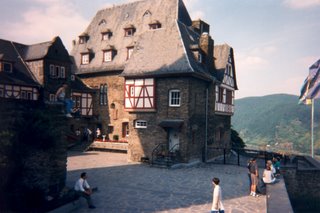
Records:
x=44, y=169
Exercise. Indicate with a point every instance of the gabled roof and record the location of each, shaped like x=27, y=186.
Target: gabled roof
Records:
x=163, y=51
x=10, y=51
x=18, y=54
x=221, y=56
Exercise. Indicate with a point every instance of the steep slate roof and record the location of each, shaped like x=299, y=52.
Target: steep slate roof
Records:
x=163, y=51
x=10, y=51
x=18, y=54
x=221, y=56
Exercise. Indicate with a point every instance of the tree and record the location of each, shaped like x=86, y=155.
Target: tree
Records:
x=236, y=140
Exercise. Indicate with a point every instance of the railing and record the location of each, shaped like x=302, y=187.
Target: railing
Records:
x=162, y=156
x=160, y=148
x=240, y=157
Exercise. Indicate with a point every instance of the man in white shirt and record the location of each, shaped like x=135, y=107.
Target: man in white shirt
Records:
x=83, y=189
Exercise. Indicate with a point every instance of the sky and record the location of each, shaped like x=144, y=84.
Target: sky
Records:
x=274, y=41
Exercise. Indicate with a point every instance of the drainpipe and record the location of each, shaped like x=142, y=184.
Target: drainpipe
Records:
x=206, y=129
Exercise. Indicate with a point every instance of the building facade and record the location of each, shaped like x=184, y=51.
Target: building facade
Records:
x=159, y=79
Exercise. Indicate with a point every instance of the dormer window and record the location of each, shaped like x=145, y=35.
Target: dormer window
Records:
x=6, y=66
x=85, y=58
x=106, y=35
x=83, y=38
x=129, y=30
x=108, y=53
x=155, y=25
x=129, y=52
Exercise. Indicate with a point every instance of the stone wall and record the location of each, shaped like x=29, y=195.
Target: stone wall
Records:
x=303, y=184
x=30, y=169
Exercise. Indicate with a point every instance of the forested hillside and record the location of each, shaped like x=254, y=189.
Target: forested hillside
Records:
x=276, y=122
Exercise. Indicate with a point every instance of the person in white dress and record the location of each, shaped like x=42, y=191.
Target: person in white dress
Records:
x=217, y=206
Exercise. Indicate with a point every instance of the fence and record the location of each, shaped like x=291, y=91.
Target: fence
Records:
x=239, y=157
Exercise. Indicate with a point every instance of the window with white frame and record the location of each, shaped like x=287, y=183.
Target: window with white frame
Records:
x=62, y=72
x=129, y=52
x=85, y=58
x=174, y=98
x=140, y=124
x=107, y=55
x=52, y=72
x=57, y=72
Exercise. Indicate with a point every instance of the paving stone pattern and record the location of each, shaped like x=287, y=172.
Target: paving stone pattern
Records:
x=137, y=188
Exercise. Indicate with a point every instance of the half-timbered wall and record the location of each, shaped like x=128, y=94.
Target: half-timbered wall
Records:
x=140, y=94
x=19, y=92
x=83, y=102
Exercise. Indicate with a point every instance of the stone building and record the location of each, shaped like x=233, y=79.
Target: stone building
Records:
x=161, y=84
x=29, y=78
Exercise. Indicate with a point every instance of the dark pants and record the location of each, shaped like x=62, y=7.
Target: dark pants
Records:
x=86, y=196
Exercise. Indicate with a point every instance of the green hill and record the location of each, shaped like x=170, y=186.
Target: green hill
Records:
x=277, y=121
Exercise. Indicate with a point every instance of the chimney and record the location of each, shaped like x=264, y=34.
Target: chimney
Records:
x=206, y=44
x=200, y=26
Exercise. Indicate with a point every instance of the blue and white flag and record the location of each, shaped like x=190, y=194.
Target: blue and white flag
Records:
x=311, y=86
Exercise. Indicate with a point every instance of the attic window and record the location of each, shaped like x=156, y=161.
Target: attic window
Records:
x=83, y=38
x=154, y=25
x=129, y=52
x=85, y=58
x=106, y=35
x=129, y=31
x=6, y=66
x=107, y=55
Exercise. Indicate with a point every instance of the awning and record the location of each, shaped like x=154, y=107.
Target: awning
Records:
x=171, y=123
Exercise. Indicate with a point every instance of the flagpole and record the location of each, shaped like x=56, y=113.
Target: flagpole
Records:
x=312, y=121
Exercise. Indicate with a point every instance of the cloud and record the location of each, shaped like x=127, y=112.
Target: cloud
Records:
x=46, y=20
x=301, y=4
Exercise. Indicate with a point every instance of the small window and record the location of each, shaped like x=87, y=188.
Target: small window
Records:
x=129, y=31
x=174, y=98
x=103, y=94
x=7, y=67
x=73, y=77
x=107, y=56
x=62, y=72
x=52, y=72
x=129, y=52
x=155, y=25
x=82, y=40
x=125, y=129
x=85, y=58
x=52, y=98
x=199, y=57
x=105, y=36
x=140, y=124
x=57, y=71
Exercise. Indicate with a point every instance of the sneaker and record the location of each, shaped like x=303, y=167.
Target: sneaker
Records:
x=92, y=207
x=68, y=115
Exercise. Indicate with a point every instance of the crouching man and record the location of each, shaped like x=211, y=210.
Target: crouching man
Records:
x=83, y=189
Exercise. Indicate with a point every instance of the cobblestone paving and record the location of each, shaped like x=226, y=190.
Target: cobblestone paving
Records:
x=137, y=188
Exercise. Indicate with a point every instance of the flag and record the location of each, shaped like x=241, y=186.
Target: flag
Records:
x=311, y=86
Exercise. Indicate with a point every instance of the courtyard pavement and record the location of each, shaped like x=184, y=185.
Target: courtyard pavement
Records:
x=138, y=188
